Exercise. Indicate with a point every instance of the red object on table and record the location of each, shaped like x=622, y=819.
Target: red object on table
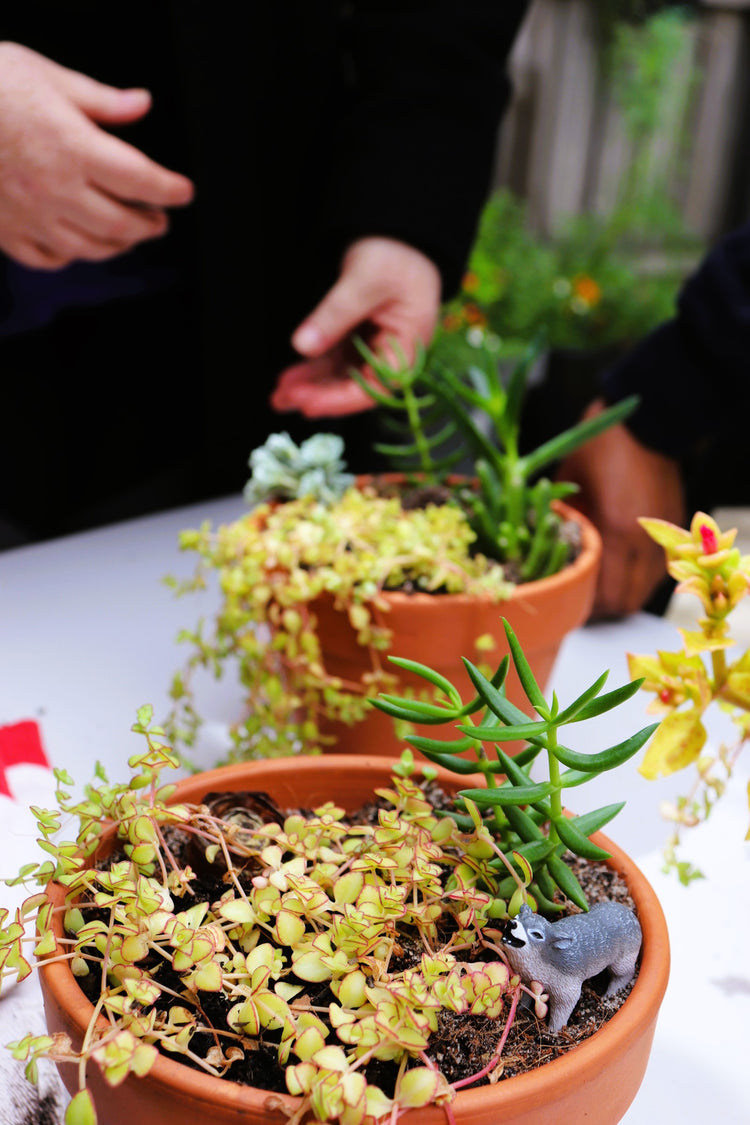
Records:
x=20, y=744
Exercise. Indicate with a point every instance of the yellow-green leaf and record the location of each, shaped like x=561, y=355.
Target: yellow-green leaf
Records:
x=678, y=742
x=81, y=1110
x=290, y=928
x=739, y=685
x=667, y=535
x=699, y=642
x=648, y=668
x=418, y=1087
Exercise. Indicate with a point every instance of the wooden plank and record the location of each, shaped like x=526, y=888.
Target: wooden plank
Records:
x=724, y=91
x=563, y=146
x=557, y=180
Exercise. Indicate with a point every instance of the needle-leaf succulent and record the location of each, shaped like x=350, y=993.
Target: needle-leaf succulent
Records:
x=524, y=811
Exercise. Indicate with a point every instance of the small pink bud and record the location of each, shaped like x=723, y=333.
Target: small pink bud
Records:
x=708, y=537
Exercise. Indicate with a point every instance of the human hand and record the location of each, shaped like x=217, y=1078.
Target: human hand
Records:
x=386, y=291
x=620, y=480
x=68, y=189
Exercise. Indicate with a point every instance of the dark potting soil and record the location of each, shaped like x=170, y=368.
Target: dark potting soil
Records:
x=463, y=1043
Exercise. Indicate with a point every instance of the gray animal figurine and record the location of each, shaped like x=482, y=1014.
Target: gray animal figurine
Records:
x=562, y=955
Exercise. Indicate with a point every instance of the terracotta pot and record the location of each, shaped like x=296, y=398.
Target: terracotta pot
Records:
x=595, y=1082
x=439, y=629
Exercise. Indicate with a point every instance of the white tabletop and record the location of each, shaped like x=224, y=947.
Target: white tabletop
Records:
x=89, y=634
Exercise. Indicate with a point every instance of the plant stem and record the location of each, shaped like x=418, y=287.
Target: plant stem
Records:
x=719, y=666
x=513, y=485
x=494, y=1061
x=415, y=425
x=554, y=776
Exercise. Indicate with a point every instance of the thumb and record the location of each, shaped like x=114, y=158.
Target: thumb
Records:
x=106, y=104
x=344, y=306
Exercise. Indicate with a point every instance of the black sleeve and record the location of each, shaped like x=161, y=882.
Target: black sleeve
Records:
x=693, y=373
x=414, y=151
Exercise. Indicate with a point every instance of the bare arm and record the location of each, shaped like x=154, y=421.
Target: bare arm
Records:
x=620, y=480
x=68, y=189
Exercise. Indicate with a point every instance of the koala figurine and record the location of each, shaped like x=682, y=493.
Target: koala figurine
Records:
x=562, y=955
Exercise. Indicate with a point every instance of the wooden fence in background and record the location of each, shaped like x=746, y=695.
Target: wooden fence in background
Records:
x=563, y=145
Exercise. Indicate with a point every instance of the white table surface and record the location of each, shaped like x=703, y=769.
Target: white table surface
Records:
x=89, y=634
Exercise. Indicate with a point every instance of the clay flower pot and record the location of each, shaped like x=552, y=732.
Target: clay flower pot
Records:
x=439, y=629
x=595, y=1082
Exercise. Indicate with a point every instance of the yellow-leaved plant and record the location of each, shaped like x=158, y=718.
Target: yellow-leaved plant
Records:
x=705, y=562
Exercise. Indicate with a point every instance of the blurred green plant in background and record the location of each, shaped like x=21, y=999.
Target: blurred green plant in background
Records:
x=599, y=280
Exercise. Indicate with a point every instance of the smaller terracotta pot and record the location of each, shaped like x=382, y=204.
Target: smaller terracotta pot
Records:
x=438, y=630
x=593, y=1083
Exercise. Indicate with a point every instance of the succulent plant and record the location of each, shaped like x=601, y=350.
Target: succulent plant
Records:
x=283, y=470
x=685, y=684
x=446, y=416
x=515, y=806
x=273, y=564
x=307, y=539
x=394, y=918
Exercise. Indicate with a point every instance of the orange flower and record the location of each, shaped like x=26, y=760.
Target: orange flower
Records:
x=587, y=289
x=475, y=316
x=470, y=282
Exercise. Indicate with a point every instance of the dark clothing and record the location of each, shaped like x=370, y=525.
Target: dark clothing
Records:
x=693, y=376
x=693, y=373
x=143, y=382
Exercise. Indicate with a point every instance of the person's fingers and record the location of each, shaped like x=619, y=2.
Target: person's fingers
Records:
x=102, y=217
x=36, y=256
x=390, y=293
x=336, y=400
x=316, y=390
x=291, y=383
x=108, y=105
x=345, y=306
x=73, y=241
x=127, y=174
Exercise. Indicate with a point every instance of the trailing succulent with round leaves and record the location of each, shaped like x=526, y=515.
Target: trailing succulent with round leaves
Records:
x=394, y=919
x=274, y=564
x=526, y=817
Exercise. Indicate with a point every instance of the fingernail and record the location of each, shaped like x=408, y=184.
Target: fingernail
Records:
x=136, y=95
x=307, y=339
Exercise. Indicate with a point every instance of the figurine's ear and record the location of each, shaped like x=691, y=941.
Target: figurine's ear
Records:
x=562, y=941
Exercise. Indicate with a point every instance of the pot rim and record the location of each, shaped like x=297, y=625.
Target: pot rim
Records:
x=586, y=563
x=639, y=1009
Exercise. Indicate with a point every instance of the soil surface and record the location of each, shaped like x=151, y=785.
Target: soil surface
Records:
x=463, y=1043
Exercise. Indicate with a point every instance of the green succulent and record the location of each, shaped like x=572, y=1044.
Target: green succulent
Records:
x=283, y=470
x=516, y=808
x=309, y=899
x=444, y=417
x=316, y=898
x=274, y=564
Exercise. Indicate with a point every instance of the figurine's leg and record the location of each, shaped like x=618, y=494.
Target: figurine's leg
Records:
x=562, y=1001
x=621, y=973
